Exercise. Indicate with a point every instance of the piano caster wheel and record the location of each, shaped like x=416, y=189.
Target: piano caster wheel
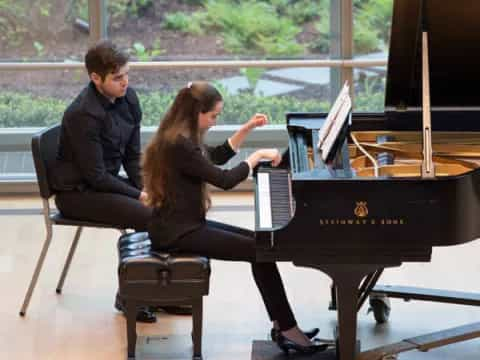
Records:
x=380, y=306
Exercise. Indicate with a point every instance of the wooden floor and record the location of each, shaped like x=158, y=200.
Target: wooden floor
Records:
x=82, y=323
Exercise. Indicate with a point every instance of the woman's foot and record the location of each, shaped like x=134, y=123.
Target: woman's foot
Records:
x=304, y=346
x=308, y=333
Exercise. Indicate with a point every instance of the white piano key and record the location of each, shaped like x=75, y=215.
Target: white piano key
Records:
x=264, y=202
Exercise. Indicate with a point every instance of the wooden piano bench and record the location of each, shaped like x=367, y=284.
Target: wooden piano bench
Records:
x=148, y=278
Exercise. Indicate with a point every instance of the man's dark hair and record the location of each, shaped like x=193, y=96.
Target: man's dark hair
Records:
x=104, y=58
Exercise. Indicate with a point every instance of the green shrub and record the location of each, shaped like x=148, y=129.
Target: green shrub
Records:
x=177, y=21
x=372, y=22
x=322, y=43
x=20, y=19
x=237, y=108
x=248, y=27
x=23, y=110
x=371, y=96
x=141, y=53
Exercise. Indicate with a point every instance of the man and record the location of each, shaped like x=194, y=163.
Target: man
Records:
x=100, y=133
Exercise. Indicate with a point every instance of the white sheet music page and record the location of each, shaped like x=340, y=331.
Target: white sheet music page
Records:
x=335, y=120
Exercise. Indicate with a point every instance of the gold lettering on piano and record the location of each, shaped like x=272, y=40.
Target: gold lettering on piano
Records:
x=361, y=212
x=361, y=209
x=365, y=221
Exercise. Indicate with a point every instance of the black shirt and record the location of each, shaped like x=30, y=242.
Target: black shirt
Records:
x=191, y=169
x=97, y=137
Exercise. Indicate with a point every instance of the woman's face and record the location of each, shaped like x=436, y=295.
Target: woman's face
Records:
x=209, y=119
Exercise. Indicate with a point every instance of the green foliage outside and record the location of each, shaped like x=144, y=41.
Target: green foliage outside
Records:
x=372, y=22
x=21, y=110
x=16, y=19
x=246, y=27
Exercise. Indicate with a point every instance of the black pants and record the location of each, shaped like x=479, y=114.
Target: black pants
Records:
x=108, y=208
x=225, y=242
x=116, y=209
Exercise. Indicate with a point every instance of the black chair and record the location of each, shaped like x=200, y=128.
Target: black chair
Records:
x=44, y=151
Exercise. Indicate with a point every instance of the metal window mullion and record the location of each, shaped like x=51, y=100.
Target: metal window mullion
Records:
x=97, y=20
x=341, y=44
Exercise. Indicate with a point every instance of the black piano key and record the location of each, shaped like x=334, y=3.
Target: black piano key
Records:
x=280, y=197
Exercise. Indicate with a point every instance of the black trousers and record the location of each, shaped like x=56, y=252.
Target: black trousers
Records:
x=225, y=242
x=109, y=208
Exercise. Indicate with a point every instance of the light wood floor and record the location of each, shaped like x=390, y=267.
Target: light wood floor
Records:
x=82, y=323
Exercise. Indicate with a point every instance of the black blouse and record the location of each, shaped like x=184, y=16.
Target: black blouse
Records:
x=191, y=169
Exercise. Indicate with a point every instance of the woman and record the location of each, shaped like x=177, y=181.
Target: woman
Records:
x=177, y=167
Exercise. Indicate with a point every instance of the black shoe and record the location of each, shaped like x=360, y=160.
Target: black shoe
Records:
x=144, y=315
x=309, y=333
x=286, y=345
x=174, y=309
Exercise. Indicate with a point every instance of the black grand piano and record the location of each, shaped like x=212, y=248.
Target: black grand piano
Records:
x=399, y=182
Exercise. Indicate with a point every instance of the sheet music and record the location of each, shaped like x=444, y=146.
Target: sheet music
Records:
x=335, y=120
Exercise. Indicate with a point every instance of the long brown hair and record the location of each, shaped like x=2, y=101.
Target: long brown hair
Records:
x=180, y=119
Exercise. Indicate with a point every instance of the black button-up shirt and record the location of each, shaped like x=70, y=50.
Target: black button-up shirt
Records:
x=97, y=137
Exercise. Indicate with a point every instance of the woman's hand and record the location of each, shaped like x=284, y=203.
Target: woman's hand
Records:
x=273, y=155
x=256, y=120
x=236, y=140
x=264, y=154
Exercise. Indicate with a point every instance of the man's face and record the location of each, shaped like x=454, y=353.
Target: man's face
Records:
x=114, y=85
x=209, y=119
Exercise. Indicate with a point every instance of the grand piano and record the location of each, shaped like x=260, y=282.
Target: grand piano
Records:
x=399, y=182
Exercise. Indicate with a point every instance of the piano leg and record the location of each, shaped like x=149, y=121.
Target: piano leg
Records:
x=347, y=278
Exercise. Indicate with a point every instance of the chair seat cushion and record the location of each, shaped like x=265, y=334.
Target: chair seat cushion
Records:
x=144, y=273
x=59, y=219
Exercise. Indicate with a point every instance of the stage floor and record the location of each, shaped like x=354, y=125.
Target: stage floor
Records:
x=82, y=323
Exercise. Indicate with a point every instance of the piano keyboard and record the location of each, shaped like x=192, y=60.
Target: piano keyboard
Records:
x=274, y=204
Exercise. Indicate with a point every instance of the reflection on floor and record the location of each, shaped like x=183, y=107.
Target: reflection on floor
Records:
x=82, y=323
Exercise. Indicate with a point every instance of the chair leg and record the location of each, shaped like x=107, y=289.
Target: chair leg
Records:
x=37, y=270
x=131, y=316
x=73, y=247
x=197, y=318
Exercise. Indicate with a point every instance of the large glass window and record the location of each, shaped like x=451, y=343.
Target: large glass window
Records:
x=198, y=30
x=370, y=89
x=371, y=29
x=371, y=41
x=207, y=29
x=246, y=91
x=46, y=30
x=37, y=98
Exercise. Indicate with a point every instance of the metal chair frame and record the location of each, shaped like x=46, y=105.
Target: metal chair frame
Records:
x=40, y=151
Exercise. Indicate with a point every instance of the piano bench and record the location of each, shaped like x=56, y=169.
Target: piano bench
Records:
x=148, y=278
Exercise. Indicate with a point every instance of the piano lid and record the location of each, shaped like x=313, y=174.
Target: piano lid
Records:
x=454, y=49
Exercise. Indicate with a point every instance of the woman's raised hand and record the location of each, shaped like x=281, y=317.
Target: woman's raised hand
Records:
x=257, y=120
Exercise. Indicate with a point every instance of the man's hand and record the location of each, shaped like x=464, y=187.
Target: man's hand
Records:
x=143, y=197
